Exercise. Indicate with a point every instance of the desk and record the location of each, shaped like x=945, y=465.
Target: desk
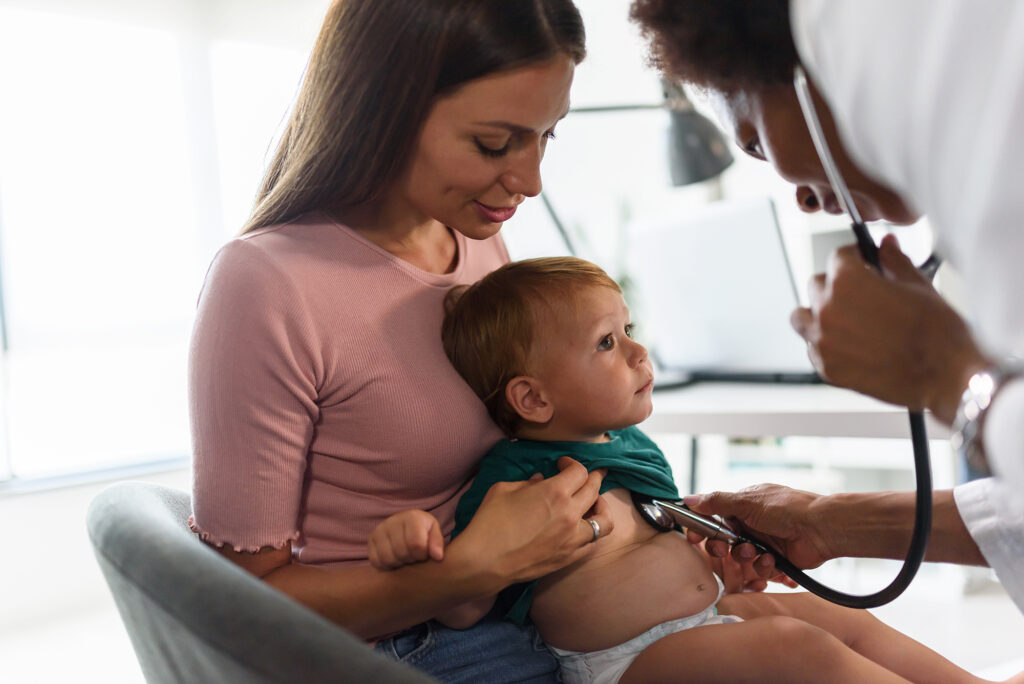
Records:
x=770, y=410
x=767, y=410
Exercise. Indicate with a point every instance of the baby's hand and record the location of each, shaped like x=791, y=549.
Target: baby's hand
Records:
x=408, y=537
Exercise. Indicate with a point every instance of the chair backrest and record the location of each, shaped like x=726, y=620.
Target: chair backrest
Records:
x=193, y=616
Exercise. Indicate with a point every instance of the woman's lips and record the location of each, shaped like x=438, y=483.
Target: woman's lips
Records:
x=646, y=388
x=495, y=214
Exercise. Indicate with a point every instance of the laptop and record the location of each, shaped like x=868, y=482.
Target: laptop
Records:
x=712, y=291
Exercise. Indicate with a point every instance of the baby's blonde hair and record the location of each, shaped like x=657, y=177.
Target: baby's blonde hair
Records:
x=489, y=326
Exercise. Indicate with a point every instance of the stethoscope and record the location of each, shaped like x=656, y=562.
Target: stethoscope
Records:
x=669, y=515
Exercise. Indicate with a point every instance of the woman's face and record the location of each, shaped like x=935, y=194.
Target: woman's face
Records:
x=768, y=125
x=479, y=151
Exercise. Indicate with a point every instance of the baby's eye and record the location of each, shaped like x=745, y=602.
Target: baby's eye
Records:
x=607, y=342
x=629, y=330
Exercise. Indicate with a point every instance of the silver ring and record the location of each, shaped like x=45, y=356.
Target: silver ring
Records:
x=597, y=529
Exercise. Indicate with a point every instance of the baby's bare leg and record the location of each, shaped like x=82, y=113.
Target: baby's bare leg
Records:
x=762, y=649
x=858, y=629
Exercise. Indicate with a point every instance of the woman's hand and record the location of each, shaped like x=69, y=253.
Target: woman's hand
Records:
x=406, y=537
x=525, y=530
x=890, y=334
x=785, y=518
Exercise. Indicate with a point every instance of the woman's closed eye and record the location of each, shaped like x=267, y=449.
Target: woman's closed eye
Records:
x=493, y=151
x=753, y=148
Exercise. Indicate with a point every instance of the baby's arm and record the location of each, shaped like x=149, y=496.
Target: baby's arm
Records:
x=414, y=536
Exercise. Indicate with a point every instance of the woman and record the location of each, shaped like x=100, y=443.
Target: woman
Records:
x=321, y=398
x=931, y=98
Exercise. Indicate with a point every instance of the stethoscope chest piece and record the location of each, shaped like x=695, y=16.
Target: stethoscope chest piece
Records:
x=654, y=514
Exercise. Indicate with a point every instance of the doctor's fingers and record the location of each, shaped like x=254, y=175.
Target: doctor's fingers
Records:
x=763, y=565
x=803, y=321
x=897, y=265
x=816, y=291
x=738, y=574
x=806, y=325
x=847, y=259
x=745, y=556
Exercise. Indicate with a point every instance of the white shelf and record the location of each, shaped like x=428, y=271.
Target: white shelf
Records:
x=757, y=410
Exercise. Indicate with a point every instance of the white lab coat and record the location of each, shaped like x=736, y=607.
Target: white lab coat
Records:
x=928, y=96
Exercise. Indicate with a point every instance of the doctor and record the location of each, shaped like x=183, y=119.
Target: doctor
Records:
x=927, y=97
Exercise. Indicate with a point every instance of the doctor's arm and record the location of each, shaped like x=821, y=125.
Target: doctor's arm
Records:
x=810, y=529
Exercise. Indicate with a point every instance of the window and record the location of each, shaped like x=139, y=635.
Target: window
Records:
x=131, y=143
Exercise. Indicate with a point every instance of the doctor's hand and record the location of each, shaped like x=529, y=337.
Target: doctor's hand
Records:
x=784, y=518
x=889, y=335
x=740, y=574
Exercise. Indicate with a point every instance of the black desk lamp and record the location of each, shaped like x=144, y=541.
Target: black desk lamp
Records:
x=697, y=151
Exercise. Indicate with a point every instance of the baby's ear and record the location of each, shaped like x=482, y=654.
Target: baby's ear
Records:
x=526, y=397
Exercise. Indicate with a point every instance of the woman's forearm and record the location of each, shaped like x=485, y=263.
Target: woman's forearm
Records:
x=522, y=531
x=371, y=603
x=879, y=525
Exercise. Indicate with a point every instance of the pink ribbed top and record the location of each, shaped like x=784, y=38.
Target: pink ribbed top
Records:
x=321, y=399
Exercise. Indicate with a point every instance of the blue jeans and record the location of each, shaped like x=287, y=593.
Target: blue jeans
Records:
x=493, y=650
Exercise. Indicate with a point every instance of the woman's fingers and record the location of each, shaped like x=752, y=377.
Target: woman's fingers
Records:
x=524, y=530
x=592, y=531
x=584, y=490
x=600, y=513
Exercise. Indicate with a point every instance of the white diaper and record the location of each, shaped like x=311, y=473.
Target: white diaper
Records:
x=608, y=665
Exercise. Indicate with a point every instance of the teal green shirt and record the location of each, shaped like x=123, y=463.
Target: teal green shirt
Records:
x=634, y=462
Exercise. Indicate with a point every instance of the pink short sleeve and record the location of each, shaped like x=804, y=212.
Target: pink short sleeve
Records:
x=252, y=392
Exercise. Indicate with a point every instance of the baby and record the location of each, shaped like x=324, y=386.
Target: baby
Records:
x=548, y=345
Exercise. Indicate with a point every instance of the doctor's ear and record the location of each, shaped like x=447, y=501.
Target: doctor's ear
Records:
x=526, y=397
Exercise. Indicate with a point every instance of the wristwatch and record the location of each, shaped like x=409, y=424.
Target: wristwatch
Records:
x=981, y=390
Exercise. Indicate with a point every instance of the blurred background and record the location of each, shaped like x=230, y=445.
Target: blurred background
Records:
x=133, y=135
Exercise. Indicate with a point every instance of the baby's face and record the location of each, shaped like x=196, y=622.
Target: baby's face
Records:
x=593, y=372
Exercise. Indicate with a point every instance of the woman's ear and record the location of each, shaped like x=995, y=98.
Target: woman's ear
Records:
x=526, y=397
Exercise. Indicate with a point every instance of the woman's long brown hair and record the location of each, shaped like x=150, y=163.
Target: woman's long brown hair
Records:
x=374, y=73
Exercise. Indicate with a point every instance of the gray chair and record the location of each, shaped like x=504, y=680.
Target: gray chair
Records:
x=193, y=616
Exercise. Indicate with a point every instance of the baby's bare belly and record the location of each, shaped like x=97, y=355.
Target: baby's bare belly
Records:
x=633, y=579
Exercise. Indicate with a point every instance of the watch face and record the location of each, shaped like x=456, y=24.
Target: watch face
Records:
x=970, y=416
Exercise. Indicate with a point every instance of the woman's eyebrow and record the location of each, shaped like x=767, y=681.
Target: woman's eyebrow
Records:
x=511, y=127
x=514, y=128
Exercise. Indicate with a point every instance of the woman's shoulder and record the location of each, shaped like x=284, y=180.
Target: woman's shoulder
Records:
x=306, y=237
x=297, y=254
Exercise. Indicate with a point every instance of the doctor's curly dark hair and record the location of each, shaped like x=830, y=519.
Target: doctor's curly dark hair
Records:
x=722, y=44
